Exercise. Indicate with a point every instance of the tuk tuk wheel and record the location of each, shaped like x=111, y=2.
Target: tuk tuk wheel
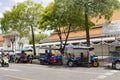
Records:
x=7, y=65
x=70, y=63
x=60, y=62
x=30, y=61
x=117, y=65
x=16, y=61
x=95, y=63
x=42, y=62
x=2, y=64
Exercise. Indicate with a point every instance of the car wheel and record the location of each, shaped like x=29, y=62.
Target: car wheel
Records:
x=70, y=63
x=30, y=61
x=117, y=65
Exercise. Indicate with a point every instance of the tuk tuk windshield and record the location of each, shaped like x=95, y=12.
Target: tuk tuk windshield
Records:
x=115, y=54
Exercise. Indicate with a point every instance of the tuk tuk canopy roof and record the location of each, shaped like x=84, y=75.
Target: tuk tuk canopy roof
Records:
x=24, y=49
x=78, y=47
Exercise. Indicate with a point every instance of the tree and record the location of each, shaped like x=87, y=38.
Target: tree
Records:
x=97, y=8
x=21, y=18
x=63, y=16
x=38, y=38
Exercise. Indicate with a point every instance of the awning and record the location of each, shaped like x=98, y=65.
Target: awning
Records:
x=78, y=47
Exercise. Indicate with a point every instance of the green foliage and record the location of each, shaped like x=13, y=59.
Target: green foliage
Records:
x=38, y=38
x=69, y=11
x=101, y=8
x=70, y=14
x=45, y=18
x=61, y=14
x=21, y=17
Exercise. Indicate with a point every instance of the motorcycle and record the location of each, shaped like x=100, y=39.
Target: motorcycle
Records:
x=4, y=62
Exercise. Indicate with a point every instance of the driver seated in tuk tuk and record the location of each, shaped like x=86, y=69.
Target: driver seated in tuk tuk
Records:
x=81, y=56
x=23, y=55
x=69, y=55
x=52, y=59
x=74, y=56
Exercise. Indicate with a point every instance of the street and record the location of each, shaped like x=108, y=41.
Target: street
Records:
x=53, y=72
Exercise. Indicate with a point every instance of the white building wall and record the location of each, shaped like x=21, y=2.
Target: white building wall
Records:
x=101, y=49
x=8, y=44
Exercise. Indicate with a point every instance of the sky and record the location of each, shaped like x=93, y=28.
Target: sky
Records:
x=8, y=4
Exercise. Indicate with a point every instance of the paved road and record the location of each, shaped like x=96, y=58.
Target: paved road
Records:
x=45, y=72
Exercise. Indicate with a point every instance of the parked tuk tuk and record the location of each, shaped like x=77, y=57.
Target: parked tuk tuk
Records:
x=51, y=56
x=115, y=59
x=80, y=55
x=24, y=56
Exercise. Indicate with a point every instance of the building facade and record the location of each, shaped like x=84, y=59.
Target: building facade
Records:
x=102, y=42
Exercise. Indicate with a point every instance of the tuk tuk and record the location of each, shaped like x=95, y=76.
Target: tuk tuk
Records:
x=115, y=59
x=24, y=56
x=51, y=56
x=80, y=55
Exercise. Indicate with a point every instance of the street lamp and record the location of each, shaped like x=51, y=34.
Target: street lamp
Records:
x=12, y=41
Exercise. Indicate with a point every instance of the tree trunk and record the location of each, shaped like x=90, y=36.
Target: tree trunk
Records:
x=67, y=35
x=86, y=24
x=33, y=41
x=62, y=46
x=60, y=37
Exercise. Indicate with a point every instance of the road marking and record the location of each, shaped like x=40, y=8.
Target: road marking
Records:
x=93, y=79
x=8, y=69
x=46, y=68
x=15, y=77
x=108, y=73
x=72, y=71
x=114, y=71
x=102, y=76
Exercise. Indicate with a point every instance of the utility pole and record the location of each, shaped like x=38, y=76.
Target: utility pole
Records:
x=86, y=24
